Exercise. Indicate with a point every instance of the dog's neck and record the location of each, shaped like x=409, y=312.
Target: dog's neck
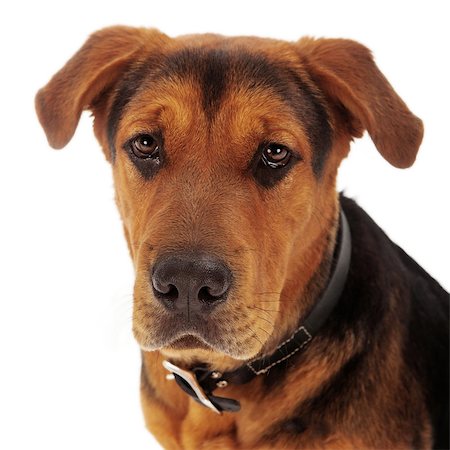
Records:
x=308, y=278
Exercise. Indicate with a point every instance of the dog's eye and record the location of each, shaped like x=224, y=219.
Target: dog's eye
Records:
x=272, y=162
x=145, y=146
x=276, y=156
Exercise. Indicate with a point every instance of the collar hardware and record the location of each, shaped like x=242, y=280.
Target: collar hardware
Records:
x=191, y=380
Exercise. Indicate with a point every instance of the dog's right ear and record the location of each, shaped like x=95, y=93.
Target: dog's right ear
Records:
x=93, y=70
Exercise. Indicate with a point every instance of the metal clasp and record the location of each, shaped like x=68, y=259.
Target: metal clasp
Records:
x=191, y=380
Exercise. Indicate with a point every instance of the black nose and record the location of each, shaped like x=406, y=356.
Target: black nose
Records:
x=190, y=282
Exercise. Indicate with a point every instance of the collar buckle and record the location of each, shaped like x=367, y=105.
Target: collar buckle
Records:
x=191, y=380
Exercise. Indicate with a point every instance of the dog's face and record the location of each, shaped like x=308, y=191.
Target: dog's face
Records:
x=224, y=154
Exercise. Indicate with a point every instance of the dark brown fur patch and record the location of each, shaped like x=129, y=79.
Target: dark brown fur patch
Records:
x=127, y=88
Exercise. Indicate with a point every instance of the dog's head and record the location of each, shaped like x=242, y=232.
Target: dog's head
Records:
x=224, y=154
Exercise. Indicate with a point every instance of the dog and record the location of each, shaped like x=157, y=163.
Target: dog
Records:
x=271, y=311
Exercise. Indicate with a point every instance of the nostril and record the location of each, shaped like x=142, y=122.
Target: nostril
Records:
x=165, y=291
x=171, y=294
x=161, y=288
x=207, y=295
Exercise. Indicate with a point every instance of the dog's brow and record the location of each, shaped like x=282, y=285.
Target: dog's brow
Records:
x=218, y=70
x=312, y=113
x=126, y=90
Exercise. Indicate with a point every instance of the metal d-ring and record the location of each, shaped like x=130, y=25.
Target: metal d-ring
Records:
x=191, y=380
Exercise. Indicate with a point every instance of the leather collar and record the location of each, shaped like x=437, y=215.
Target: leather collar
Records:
x=200, y=382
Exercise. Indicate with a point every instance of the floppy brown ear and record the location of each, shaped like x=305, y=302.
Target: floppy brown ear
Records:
x=96, y=67
x=348, y=75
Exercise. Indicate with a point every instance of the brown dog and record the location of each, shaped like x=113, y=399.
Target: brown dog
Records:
x=224, y=154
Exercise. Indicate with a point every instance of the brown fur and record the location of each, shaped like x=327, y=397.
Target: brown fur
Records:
x=278, y=241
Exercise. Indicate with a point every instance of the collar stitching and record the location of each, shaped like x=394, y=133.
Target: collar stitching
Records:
x=266, y=369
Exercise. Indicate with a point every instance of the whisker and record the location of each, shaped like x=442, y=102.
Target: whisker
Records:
x=278, y=301
x=266, y=320
x=262, y=309
x=255, y=336
x=265, y=331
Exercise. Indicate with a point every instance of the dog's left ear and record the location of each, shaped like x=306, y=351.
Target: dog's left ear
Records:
x=348, y=75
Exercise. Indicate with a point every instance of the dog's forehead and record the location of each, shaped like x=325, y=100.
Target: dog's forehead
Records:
x=220, y=69
x=248, y=74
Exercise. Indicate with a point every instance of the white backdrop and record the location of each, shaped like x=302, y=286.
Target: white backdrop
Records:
x=69, y=368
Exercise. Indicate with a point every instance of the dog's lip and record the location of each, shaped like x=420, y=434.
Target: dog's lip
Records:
x=185, y=340
x=188, y=338
x=176, y=333
x=188, y=342
x=184, y=337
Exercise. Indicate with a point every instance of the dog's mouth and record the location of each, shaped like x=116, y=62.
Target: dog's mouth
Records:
x=188, y=342
x=181, y=335
x=212, y=335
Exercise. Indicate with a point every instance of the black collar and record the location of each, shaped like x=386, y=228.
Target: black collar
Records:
x=200, y=382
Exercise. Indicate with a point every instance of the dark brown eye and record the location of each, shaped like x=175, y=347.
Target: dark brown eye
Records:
x=276, y=156
x=145, y=146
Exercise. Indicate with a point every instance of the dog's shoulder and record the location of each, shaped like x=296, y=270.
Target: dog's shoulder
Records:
x=381, y=270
